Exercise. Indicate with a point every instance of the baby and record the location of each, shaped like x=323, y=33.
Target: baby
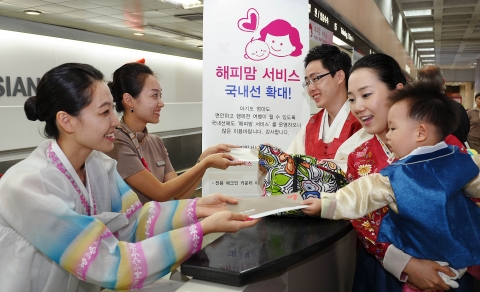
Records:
x=430, y=215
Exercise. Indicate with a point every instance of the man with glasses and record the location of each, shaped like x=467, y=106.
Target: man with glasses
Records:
x=326, y=75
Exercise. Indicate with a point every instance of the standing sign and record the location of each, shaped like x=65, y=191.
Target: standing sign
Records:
x=252, y=75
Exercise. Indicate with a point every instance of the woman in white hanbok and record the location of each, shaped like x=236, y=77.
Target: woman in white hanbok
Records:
x=68, y=222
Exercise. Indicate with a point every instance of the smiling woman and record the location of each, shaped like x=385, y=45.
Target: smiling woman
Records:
x=380, y=265
x=142, y=158
x=64, y=209
x=99, y=114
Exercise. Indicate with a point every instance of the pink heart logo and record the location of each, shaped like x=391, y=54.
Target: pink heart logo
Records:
x=249, y=23
x=252, y=24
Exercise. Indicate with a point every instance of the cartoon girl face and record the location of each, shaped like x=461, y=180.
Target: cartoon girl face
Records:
x=280, y=46
x=257, y=50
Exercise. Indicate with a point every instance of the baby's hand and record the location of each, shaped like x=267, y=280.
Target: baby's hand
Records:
x=314, y=206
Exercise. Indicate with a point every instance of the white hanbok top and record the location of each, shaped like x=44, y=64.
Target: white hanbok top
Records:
x=50, y=243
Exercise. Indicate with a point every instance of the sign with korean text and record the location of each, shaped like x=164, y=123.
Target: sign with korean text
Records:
x=319, y=15
x=319, y=34
x=252, y=81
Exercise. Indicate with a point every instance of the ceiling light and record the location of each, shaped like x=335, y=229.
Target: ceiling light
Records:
x=185, y=4
x=339, y=42
x=138, y=33
x=175, y=32
x=424, y=41
x=421, y=29
x=191, y=17
x=428, y=60
x=32, y=12
x=427, y=56
x=424, y=12
x=426, y=49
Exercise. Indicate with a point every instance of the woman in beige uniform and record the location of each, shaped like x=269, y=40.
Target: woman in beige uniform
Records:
x=142, y=157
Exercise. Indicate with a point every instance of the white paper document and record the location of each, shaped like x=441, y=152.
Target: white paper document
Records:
x=248, y=156
x=243, y=181
x=264, y=206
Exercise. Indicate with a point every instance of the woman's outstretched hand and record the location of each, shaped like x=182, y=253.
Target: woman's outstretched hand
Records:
x=226, y=221
x=211, y=204
x=219, y=148
x=221, y=161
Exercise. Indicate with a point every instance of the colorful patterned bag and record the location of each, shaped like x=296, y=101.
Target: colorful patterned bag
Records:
x=285, y=173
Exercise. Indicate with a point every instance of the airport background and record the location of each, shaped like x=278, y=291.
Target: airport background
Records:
x=415, y=33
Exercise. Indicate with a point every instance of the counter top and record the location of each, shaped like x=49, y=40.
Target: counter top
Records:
x=271, y=246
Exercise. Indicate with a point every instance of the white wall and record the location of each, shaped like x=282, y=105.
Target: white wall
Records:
x=27, y=54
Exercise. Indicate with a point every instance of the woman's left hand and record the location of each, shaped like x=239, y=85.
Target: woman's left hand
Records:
x=423, y=275
x=211, y=204
x=220, y=148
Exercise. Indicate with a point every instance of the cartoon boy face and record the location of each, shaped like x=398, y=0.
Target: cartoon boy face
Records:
x=257, y=50
x=280, y=46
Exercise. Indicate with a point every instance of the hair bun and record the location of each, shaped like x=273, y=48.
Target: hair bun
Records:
x=30, y=108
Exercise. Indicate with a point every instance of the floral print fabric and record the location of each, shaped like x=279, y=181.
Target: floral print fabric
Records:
x=286, y=174
x=368, y=158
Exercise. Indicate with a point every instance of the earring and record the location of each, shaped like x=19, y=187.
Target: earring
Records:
x=131, y=110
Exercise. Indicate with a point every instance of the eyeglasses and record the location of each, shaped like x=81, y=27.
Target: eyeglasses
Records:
x=315, y=79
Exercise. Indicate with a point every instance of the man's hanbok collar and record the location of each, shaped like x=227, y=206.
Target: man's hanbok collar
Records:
x=329, y=132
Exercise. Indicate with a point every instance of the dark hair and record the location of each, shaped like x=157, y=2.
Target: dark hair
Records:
x=332, y=59
x=67, y=88
x=428, y=104
x=431, y=73
x=130, y=78
x=477, y=95
x=384, y=67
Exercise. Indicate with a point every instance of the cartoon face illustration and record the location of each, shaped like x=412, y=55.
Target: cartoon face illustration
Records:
x=278, y=38
x=280, y=46
x=256, y=50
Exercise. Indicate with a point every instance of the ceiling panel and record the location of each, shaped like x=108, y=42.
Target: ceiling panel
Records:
x=456, y=23
x=456, y=28
x=459, y=2
x=57, y=9
x=119, y=18
x=458, y=10
x=456, y=17
x=417, y=5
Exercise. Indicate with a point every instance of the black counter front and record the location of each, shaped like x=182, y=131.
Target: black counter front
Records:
x=273, y=245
